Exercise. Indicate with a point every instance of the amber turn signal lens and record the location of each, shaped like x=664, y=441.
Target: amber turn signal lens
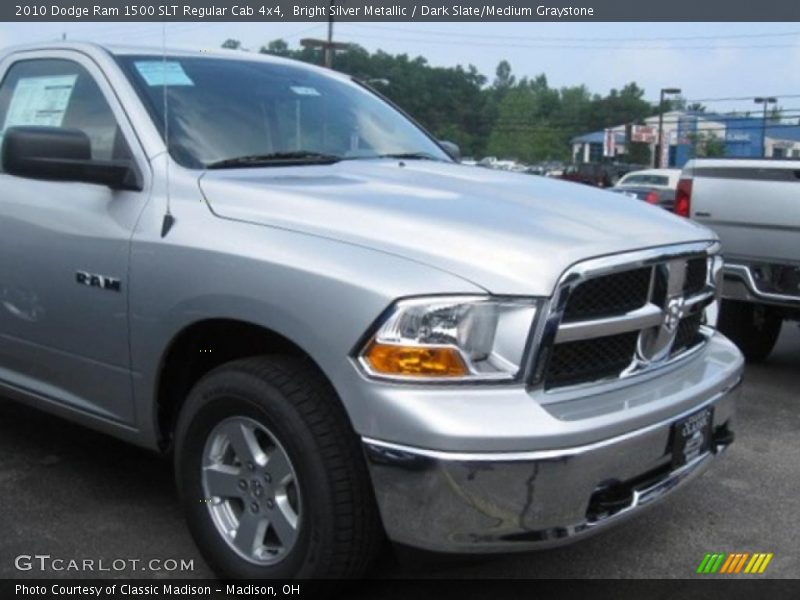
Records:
x=389, y=359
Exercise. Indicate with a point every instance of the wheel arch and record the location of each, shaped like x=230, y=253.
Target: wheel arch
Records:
x=202, y=346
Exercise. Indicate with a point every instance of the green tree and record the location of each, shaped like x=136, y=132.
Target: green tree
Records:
x=527, y=126
x=503, y=80
x=276, y=47
x=514, y=117
x=639, y=154
x=620, y=106
x=706, y=144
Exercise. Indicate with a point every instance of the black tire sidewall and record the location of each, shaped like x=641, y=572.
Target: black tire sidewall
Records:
x=228, y=394
x=738, y=322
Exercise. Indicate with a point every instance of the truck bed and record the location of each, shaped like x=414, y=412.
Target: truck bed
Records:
x=753, y=204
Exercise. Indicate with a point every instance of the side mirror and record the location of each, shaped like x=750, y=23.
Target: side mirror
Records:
x=452, y=149
x=59, y=154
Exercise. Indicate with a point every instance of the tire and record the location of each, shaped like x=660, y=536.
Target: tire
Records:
x=754, y=328
x=294, y=417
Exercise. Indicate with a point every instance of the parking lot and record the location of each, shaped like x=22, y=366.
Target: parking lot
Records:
x=72, y=493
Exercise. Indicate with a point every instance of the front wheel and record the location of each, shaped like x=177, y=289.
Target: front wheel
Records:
x=754, y=328
x=271, y=476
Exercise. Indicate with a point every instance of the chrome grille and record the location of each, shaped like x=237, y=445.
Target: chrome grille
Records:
x=588, y=360
x=696, y=276
x=611, y=295
x=688, y=334
x=619, y=316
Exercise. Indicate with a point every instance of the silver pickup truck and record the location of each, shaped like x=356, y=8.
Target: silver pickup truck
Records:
x=753, y=205
x=338, y=333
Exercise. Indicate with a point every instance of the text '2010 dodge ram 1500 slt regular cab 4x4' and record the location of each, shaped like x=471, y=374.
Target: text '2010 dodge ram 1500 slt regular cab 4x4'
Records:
x=339, y=333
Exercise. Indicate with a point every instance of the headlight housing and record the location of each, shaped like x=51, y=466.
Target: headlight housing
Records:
x=455, y=338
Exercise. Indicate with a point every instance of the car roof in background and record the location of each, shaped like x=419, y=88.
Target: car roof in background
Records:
x=667, y=172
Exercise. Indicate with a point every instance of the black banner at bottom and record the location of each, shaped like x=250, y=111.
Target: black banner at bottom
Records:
x=403, y=589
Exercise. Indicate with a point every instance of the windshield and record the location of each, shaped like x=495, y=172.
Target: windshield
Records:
x=221, y=110
x=658, y=180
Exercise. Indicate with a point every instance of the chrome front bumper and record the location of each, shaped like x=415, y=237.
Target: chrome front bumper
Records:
x=740, y=283
x=498, y=502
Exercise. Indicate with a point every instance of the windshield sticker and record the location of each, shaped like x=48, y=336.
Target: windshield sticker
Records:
x=304, y=91
x=160, y=72
x=40, y=101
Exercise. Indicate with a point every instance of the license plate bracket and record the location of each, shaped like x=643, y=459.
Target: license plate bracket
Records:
x=691, y=436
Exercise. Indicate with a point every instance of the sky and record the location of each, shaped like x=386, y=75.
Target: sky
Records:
x=705, y=60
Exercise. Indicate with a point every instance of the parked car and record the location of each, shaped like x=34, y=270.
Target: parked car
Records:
x=336, y=332
x=753, y=205
x=596, y=174
x=654, y=186
x=492, y=162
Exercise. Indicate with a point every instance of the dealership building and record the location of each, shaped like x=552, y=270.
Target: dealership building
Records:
x=682, y=130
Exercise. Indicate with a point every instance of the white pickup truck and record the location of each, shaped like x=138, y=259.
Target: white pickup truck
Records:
x=754, y=206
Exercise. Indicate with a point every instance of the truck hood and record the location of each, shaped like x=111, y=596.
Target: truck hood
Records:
x=508, y=233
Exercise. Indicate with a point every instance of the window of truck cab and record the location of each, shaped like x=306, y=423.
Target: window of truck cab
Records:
x=222, y=108
x=57, y=92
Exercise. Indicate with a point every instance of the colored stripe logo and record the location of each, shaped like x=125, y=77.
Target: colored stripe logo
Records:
x=734, y=563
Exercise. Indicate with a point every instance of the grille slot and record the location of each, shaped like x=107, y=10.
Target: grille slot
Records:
x=589, y=360
x=610, y=295
x=688, y=334
x=696, y=275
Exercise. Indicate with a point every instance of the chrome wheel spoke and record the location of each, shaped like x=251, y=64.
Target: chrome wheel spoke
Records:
x=249, y=537
x=278, y=467
x=222, y=481
x=284, y=522
x=243, y=440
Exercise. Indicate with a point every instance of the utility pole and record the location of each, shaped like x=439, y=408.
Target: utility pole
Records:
x=328, y=46
x=766, y=102
x=328, y=49
x=657, y=153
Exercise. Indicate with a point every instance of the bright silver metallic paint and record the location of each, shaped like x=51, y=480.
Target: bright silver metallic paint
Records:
x=316, y=254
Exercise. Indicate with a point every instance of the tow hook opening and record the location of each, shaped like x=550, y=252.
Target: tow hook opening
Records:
x=612, y=496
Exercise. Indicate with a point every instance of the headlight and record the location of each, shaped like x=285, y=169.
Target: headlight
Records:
x=451, y=338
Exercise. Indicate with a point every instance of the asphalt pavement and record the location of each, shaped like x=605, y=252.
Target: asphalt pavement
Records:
x=71, y=493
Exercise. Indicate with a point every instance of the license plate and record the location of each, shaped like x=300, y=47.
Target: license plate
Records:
x=691, y=437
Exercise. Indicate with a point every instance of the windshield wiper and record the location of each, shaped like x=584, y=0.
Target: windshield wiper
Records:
x=297, y=157
x=408, y=156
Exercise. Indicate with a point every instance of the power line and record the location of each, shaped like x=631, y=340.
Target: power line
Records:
x=303, y=31
x=730, y=123
x=576, y=46
x=579, y=39
x=133, y=30
x=725, y=123
x=740, y=98
x=563, y=130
